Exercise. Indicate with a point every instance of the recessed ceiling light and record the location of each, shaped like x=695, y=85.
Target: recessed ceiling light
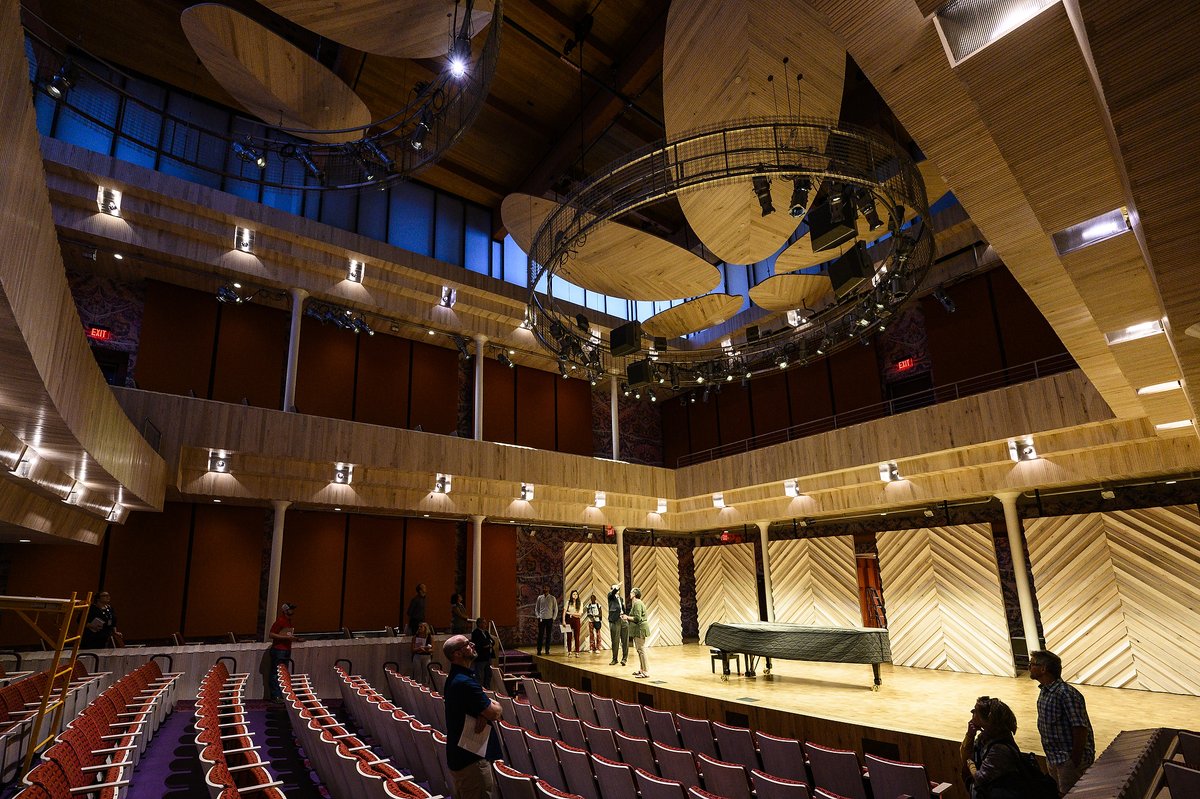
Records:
x=1174, y=425
x=1134, y=332
x=1158, y=388
x=426, y=515
x=337, y=508
x=24, y=541
x=217, y=501
x=118, y=256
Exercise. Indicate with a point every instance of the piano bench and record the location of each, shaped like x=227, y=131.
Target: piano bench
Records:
x=734, y=658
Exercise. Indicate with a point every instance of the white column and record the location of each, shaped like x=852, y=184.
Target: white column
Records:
x=289, y=384
x=476, y=563
x=762, y=537
x=616, y=425
x=281, y=506
x=1020, y=569
x=620, y=528
x=480, y=340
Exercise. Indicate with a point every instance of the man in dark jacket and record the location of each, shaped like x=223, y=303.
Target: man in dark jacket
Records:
x=618, y=628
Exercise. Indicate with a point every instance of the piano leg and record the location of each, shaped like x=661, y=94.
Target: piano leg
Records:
x=878, y=680
x=751, y=662
x=767, y=670
x=724, y=667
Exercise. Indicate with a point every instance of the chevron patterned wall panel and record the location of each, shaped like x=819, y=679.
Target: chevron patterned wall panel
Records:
x=814, y=581
x=1119, y=598
x=656, y=572
x=588, y=569
x=726, y=585
x=944, y=606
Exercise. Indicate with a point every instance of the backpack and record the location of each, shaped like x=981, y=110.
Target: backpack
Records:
x=1027, y=782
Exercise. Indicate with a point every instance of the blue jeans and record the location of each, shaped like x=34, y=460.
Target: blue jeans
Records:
x=277, y=656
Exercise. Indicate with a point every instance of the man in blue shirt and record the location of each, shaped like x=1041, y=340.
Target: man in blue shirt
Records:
x=467, y=704
x=1063, y=723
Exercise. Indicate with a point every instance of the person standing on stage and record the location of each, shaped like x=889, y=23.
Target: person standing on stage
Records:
x=546, y=610
x=618, y=627
x=416, y=610
x=639, y=630
x=1063, y=723
x=593, y=617
x=573, y=617
x=466, y=704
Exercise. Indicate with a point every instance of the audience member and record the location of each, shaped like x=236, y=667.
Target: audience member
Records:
x=572, y=618
x=460, y=622
x=283, y=634
x=618, y=627
x=467, y=704
x=485, y=651
x=990, y=757
x=422, y=650
x=594, y=618
x=1063, y=723
x=639, y=630
x=101, y=626
x=546, y=610
x=416, y=609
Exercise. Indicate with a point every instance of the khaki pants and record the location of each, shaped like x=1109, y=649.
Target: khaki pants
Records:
x=473, y=782
x=640, y=645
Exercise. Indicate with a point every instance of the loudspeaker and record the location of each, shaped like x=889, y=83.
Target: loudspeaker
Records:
x=852, y=268
x=829, y=228
x=626, y=339
x=752, y=334
x=639, y=373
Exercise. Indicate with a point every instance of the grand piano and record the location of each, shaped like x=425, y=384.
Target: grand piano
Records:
x=799, y=642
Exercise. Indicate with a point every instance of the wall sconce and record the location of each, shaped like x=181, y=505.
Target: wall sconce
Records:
x=118, y=514
x=889, y=472
x=343, y=473
x=108, y=201
x=443, y=483
x=1022, y=450
x=218, y=461
x=718, y=500
x=243, y=239
x=449, y=297
x=662, y=505
x=601, y=499
x=354, y=272
x=791, y=488
x=526, y=492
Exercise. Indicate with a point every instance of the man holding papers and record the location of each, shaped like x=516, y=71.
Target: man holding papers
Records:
x=471, y=740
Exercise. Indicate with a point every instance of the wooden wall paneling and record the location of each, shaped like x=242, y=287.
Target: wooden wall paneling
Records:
x=814, y=581
x=431, y=557
x=769, y=403
x=573, y=416
x=703, y=422
x=314, y=554
x=325, y=370
x=856, y=379
x=733, y=407
x=676, y=442
x=1118, y=596
x=176, y=345
x=591, y=569
x=498, y=600
x=147, y=558
x=51, y=570
x=499, y=403
x=944, y=602
x=433, y=401
x=535, y=408
x=251, y=355
x=374, y=559
x=226, y=574
x=381, y=386
x=726, y=585
x=656, y=573
x=809, y=392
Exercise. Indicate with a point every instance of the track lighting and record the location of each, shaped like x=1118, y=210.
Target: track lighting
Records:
x=504, y=360
x=246, y=152
x=63, y=80
x=799, y=202
x=762, y=190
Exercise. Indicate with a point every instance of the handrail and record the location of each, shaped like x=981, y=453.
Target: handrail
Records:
x=1012, y=375
x=499, y=645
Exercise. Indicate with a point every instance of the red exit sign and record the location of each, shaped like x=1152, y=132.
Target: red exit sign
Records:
x=98, y=333
x=905, y=365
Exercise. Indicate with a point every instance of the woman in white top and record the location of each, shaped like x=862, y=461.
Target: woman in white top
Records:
x=594, y=618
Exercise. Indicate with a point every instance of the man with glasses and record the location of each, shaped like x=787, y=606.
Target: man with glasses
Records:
x=467, y=704
x=1063, y=723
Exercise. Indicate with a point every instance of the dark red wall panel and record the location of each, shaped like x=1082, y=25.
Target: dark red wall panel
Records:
x=227, y=567
x=1026, y=333
x=251, y=355
x=147, y=558
x=702, y=423
x=962, y=344
x=382, y=384
x=675, y=430
x=51, y=570
x=855, y=378
x=808, y=392
x=499, y=403
x=769, y=403
x=176, y=344
x=733, y=406
x=434, y=397
x=325, y=373
x=431, y=557
x=498, y=584
x=535, y=408
x=313, y=552
x=373, y=569
x=574, y=416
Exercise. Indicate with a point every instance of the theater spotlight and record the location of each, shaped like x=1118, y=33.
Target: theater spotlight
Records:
x=245, y=152
x=762, y=190
x=63, y=80
x=801, y=185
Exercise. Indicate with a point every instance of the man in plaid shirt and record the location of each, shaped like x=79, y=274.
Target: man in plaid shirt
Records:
x=1063, y=723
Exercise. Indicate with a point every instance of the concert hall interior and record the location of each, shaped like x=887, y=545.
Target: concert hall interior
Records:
x=820, y=312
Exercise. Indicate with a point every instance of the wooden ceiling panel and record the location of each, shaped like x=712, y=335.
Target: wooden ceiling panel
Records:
x=693, y=315
x=786, y=292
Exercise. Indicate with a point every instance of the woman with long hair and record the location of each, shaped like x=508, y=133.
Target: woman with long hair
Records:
x=990, y=757
x=572, y=617
x=422, y=650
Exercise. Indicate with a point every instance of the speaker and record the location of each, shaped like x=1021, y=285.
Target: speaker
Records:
x=852, y=268
x=639, y=373
x=829, y=228
x=626, y=339
x=751, y=334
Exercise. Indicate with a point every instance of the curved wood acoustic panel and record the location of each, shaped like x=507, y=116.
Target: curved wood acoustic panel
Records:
x=693, y=315
x=716, y=60
x=522, y=215
x=396, y=28
x=272, y=79
x=786, y=292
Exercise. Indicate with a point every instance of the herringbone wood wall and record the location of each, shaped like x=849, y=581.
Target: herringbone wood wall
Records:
x=814, y=581
x=656, y=572
x=726, y=585
x=944, y=604
x=1119, y=598
x=590, y=569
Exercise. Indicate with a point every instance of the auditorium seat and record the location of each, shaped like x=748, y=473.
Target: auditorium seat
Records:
x=601, y=741
x=511, y=783
x=606, y=712
x=661, y=724
x=636, y=751
x=891, y=779
x=577, y=770
x=724, y=778
x=524, y=714
x=836, y=770
x=545, y=790
x=545, y=759
x=571, y=732
x=677, y=764
x=1182, y=780
x=736, y=745
x=530, y=692
x=614, y=778
x=632, y=720
x=515, y=747
x=1189, y=747
x=700, y=793
x=562, y=700
x=768, y=786
x=782, y=757
x=582, y=700
x=507, y=708
x=545, y=723
x=652, y=787
x=821, y=793
x=500, y=681
x=545, y=694
x=697, y=735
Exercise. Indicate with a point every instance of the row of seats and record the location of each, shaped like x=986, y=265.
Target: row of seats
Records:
x=418, y=699
x=224, y=742
x=100, y=747
x=650, y=739
x=19, y=701
x=344, y=762
x=1183, y=779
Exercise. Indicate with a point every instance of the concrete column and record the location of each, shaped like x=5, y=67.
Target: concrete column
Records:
x=762, y=537
x=620, y=528
x=476, y=563
x=1020, y=568
x=289, y=384
x=281, y=506
x=480, y=340
x=616, y=423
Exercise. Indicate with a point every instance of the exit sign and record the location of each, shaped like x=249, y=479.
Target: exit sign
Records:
x=96, y=333
x=905, y=365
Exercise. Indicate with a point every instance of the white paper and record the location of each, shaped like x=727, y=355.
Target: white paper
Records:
x=474, y=742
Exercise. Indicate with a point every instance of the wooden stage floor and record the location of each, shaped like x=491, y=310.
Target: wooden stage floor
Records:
x=924, y=702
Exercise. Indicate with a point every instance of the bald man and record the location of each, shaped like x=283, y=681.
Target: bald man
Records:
x=467, y=704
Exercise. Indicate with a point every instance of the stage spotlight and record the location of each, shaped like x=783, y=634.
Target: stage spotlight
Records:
x=460, y=55
x=461, y=344
x=762, y=190
x=417, y=140
x=866, y=204
x=63, y=80
x=310, y=166
x=379, y=156
x=505, y=360
x=227, y=293
x=563, y=370
x=582, y=322
x=247, y=153
x=947, y=302
x=799, y=202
